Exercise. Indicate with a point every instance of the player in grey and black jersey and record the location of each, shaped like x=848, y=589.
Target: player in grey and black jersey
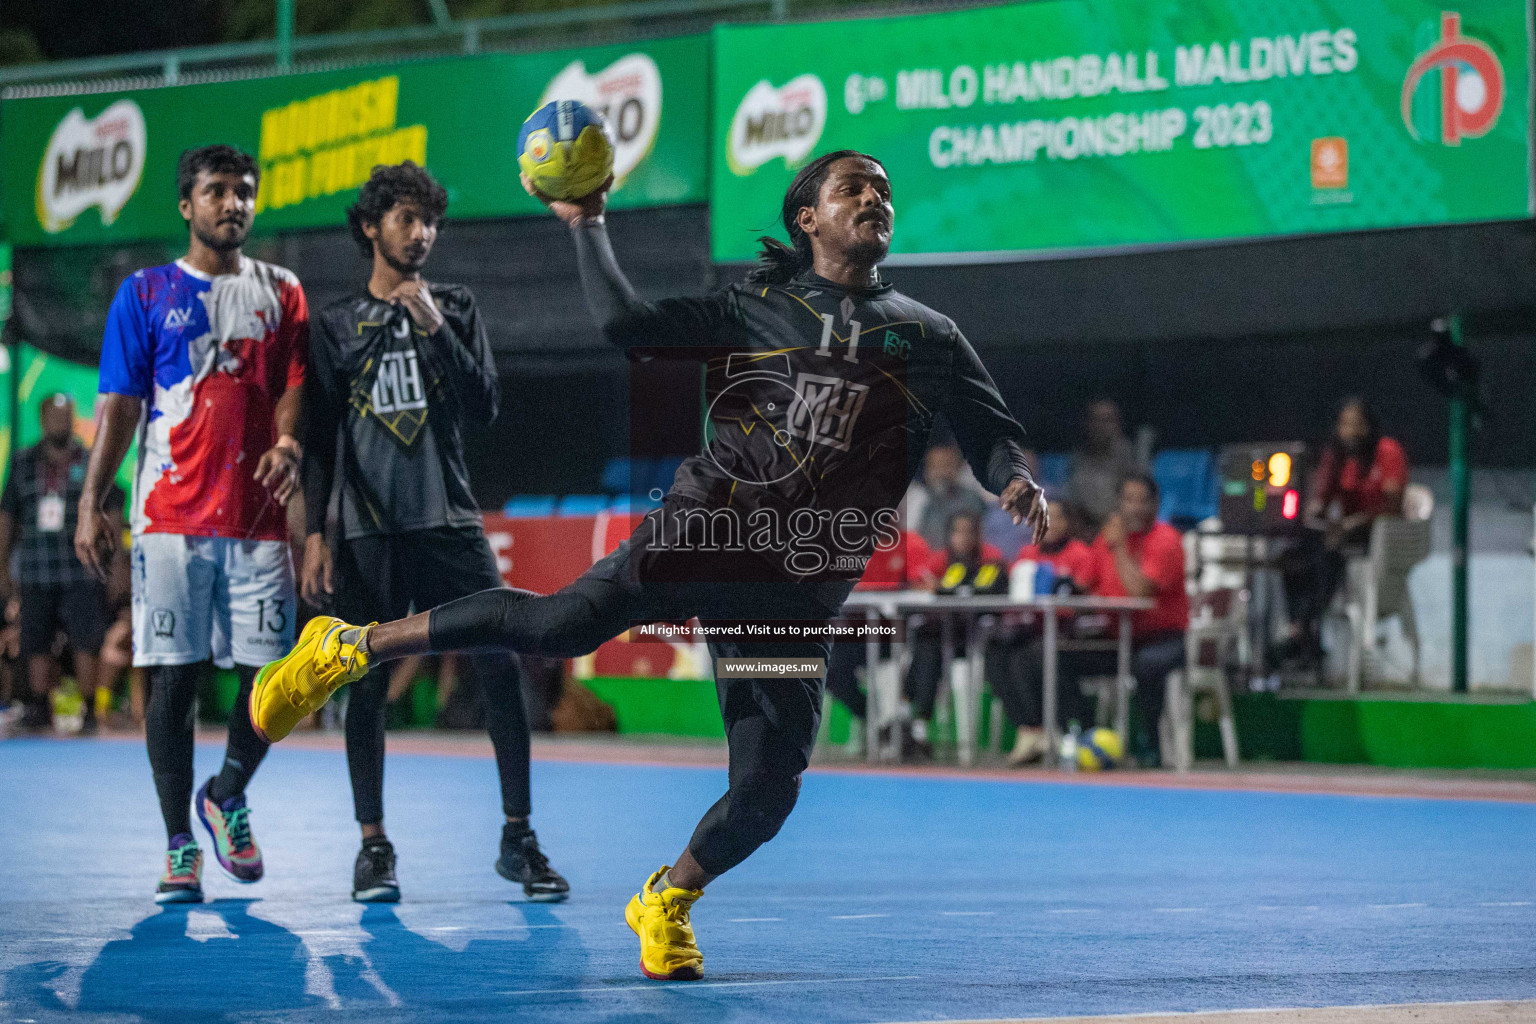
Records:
x=396, y=371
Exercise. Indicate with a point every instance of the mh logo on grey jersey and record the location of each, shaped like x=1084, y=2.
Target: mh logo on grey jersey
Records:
x=398, y=386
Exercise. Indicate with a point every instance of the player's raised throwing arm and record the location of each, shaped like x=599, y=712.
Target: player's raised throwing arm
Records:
x=627, y=321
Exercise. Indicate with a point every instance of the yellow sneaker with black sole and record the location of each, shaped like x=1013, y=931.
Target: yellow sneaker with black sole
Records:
x=294, y=687
x=667, y=948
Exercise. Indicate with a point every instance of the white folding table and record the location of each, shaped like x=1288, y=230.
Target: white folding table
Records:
x=885, y=694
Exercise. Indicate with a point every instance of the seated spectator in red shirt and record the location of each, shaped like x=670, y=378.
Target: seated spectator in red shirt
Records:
x=1360, y=476
x=901, y=567
x=898, y=568
x=1068, y=557
x=958, y=566
x=1135, y=555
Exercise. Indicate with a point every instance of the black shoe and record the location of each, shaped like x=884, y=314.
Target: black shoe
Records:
x=912, y=748
x=36, y=716
x=373, y=876
x=523, y=862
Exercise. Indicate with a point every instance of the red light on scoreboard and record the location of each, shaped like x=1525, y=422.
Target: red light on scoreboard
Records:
x=1289, y=504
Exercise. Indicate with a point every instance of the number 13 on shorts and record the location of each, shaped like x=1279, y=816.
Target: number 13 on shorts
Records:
x=196, y=598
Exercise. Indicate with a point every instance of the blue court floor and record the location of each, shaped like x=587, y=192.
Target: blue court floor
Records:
x=885, y=898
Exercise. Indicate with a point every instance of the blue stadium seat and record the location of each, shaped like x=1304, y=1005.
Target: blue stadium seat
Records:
x=583, y=504
x=627, y=503
x=623, y=473
x=1053, y=469
x=529, y=505
x=1187, y=479
x=664, y=470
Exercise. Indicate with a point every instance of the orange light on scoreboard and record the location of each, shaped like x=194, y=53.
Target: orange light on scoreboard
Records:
x=1279, y=470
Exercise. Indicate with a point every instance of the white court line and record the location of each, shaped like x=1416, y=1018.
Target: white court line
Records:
x=1073, y=910
x=855, y=917
x=1177, y=910
x=749, y=920
x=1509, y=903
x=693, y=985
x=967, y=913
x=1279, y=907
x=1395, y=906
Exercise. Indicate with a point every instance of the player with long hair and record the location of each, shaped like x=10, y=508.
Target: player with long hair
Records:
x=824, y=384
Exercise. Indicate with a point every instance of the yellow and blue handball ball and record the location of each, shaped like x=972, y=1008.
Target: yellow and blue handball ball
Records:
x=1098, y=749
x=565, y=150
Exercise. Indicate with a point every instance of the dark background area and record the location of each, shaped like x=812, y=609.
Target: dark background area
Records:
x=1244, y=342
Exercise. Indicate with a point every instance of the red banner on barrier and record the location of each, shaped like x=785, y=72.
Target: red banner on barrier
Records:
x=545, y=553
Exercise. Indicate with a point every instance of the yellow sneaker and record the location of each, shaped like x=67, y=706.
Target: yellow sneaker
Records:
x=297, y=685
x=667, y=949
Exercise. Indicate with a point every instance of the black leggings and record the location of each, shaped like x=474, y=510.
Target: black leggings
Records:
x=170, y=731
x=770, y=726
x=381, y=577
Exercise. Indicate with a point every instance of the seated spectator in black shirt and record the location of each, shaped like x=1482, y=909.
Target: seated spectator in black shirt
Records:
x=1104, y=458
x=945, y=490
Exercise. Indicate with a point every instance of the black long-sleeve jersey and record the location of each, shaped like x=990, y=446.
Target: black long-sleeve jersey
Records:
x=396, y=399
x=820, y=397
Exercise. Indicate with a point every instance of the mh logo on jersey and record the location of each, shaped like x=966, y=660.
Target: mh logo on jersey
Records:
x=397, y=388
x=1471, y=84
x=828, y=410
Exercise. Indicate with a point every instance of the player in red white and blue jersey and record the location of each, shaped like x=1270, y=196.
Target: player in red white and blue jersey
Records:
x=202, y=363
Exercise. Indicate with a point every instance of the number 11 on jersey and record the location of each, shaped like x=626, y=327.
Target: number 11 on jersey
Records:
x=854, y=327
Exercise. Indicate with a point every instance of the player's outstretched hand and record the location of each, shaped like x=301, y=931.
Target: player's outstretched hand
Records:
x=278, y=469
x=588, y=207
x=96, y=538
x=1024, y=500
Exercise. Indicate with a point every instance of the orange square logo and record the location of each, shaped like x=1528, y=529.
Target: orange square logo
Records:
x=1330, y=162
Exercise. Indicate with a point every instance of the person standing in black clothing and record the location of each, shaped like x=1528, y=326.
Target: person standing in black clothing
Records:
x=396, y=371
x=824, y=384
x=39, y=509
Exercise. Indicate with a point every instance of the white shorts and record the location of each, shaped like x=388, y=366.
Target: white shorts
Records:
x=201, y=597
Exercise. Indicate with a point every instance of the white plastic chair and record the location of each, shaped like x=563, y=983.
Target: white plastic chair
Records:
x=1377, y=584
x=1218, y=622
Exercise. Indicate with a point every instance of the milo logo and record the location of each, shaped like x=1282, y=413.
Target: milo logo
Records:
x=777, y=122
x=91, y=162
x=627, y=93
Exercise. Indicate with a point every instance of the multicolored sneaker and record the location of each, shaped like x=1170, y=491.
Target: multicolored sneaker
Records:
x=229, y=826
x=522, y=861
x=667, y=948
x=183, y=878
x=300, y=683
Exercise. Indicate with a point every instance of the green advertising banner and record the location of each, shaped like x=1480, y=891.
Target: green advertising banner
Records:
x=5, y=282
x=42, y=376
x=1071, y=124
x=77, y=170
